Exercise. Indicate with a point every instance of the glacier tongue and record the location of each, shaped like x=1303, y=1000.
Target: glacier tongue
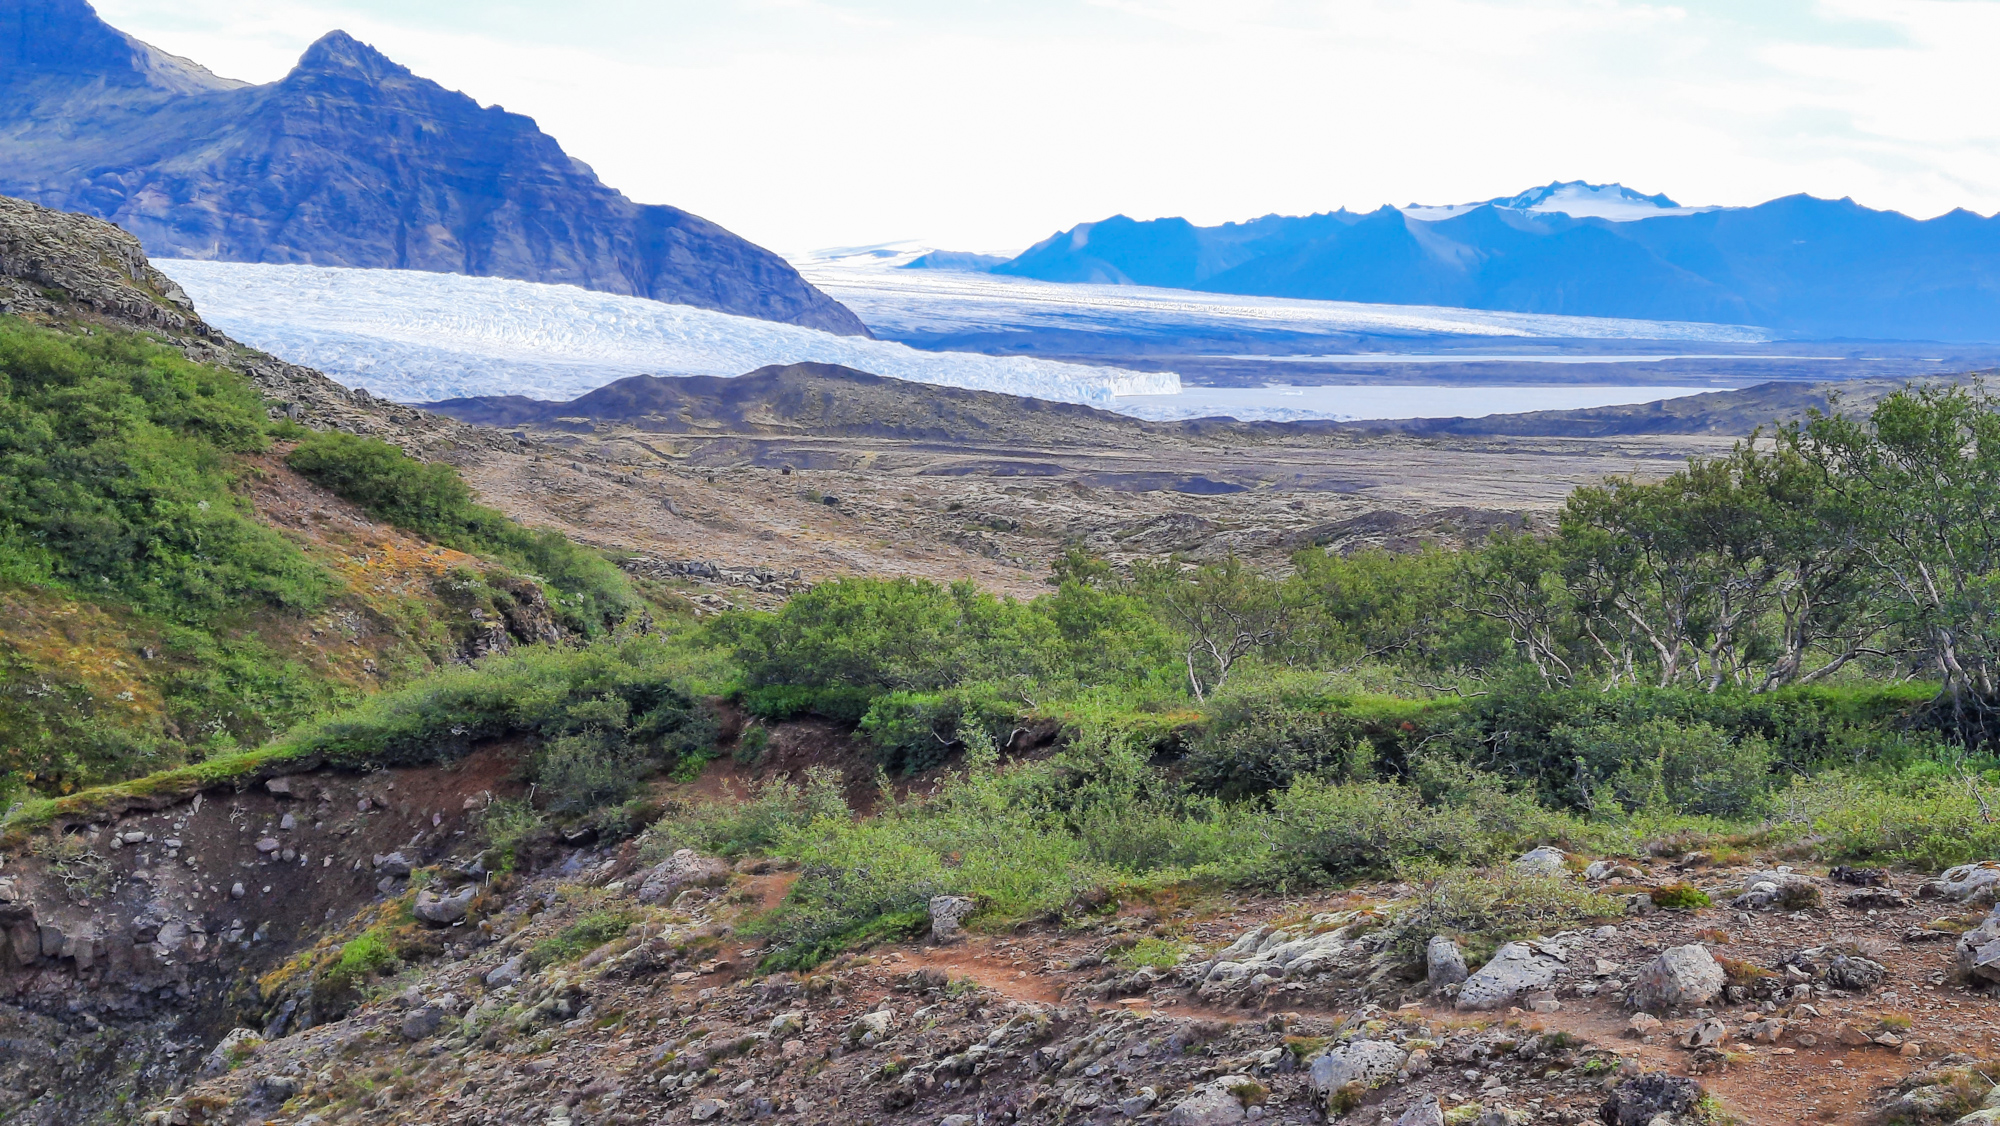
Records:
x=421, y=337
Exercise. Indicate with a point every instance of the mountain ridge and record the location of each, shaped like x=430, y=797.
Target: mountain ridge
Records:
x=1801, y=266
x=350, y=159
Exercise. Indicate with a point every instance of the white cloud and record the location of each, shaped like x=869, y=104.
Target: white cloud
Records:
x=985, y=124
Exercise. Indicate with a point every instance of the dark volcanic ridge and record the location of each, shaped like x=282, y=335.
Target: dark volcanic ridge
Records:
x=827, y=400
x=349, y=160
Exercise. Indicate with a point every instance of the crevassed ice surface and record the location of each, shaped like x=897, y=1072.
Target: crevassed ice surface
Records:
x=901, y=302
x=421, y=337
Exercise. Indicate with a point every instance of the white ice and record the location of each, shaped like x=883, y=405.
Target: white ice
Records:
x=422, y=337
x=901, y=303
x=1373, y=401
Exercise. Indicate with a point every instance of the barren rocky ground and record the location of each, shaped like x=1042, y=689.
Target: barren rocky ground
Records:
x=1812, y=996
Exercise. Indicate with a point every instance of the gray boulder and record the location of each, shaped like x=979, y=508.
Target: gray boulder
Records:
x=1682, y=977
x=1444, y=962
x=1965, y=881
x=1425, y=1112
x=948, y=915
x=392, y=863
x=1638, y=1101
x=1547, y=860
x=1370, y=1063
x=418, y=1024
x=1516, y=969
x=444, y=910
x=1979, y=949
x=684, y=869
x=506, y=973
x=1211, y=1104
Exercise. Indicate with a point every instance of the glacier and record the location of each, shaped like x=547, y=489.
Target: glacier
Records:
x=414, y=337
x=898, y=302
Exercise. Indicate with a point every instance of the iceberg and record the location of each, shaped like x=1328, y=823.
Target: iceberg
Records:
x=414, y=336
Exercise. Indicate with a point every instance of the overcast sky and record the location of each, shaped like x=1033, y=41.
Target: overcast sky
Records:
x=989, y=124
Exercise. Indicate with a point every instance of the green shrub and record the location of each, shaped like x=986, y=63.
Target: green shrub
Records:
x=1680, y=897
x=1253, y=744
x=778, y=702
x=1495, y=906
x=751, y=744
x=755, y=824
x=1332, y=833
x=589, y=770
x=580, y=938
x=431, y=500
x=914, y=731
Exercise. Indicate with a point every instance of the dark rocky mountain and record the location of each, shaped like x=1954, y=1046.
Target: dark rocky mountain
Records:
x=349, y=160
x=808, y=398
x=1808, y=268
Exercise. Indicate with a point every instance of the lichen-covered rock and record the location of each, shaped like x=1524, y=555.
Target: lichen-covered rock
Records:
x=1515, y=968
x=233, y=1049
x=1425, y=1112
x=1680, y=978
x=948, y=915
x=1370, y=1063
x=684, y=869
x=1444, y=962
x=1638, y=1101
x=444, y=910
x=1547, y=860
x=1978, y=949
x=1214, y=1103
x=1965, y=881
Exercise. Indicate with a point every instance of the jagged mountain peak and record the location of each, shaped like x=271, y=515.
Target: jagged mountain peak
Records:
x=339, y=52
x=66, y=39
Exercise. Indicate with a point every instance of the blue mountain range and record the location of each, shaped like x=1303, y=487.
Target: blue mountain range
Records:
x=1804, y=267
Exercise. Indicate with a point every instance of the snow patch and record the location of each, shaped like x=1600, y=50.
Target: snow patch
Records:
x=420, y=337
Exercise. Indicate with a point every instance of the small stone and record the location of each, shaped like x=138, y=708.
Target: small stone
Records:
x=236, y=890
x=1847, y=1034
x=268, y=845
x=1644, y=1023
x=288, y=822
x=506, y=973
x=705, y=1109
x=421, y=1023
x=1705, y=1033
x=1425, y=1112
x=393, y=864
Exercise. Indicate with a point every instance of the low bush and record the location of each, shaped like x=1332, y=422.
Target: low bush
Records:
x=430, y=499
x=1679, y=897
x=1495, y=906
x=581, y=937
x=778, y=702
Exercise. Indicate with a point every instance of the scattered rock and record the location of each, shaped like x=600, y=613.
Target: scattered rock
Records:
x=1638, y=1101
x=948, y=914
x=1680, y=978
x=234, y=1047
x=1370, y=1063
x=1516, y=968
x=393, y=864
x=444, y=910
x=1212, y=1104
x=706, y=1109
x=1547, y=860
x=1444, y=962
x=1965, y=881
x=1425, y=1112
x=421, y=1023
x=684, y=869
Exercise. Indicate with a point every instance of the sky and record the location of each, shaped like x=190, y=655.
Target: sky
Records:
x=987, y=125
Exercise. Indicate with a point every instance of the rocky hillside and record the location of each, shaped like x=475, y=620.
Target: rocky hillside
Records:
x=349, y=160
x=328, y=948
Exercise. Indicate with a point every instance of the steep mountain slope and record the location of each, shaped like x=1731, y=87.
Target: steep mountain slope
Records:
x=1805, y=267
x=349, y=160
